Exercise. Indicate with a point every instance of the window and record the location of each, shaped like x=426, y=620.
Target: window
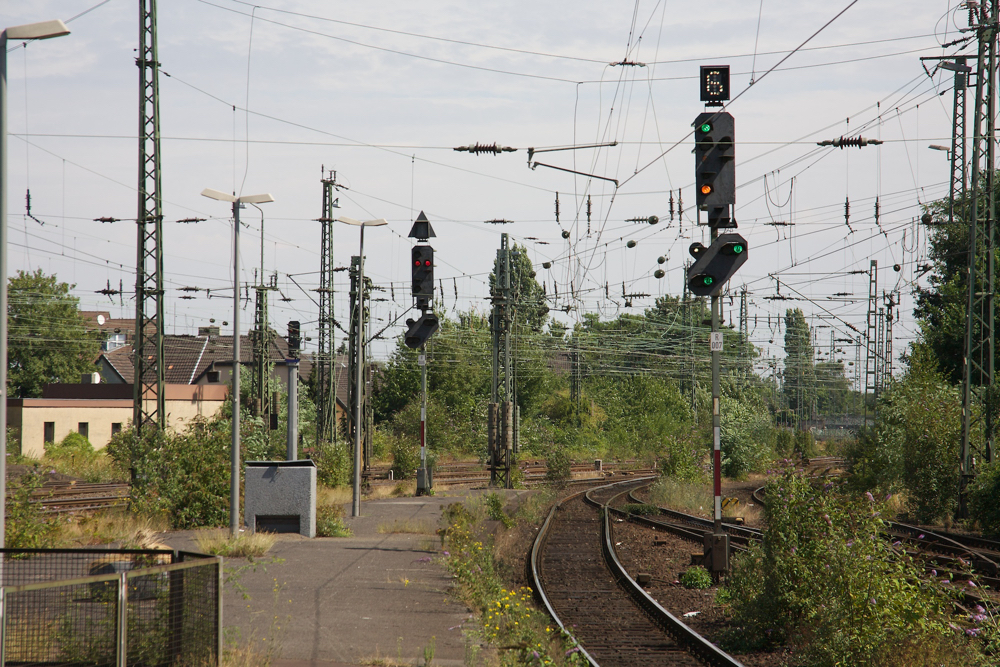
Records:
x=50, y=432
x=116, y=428
x=83, y=428
x=213, y=376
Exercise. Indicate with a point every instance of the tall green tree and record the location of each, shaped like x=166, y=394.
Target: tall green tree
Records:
x=800, y=373
x=48, y=339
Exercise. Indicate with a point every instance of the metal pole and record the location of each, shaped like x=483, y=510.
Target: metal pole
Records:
x=719, y=546
x=293, y=408
x=359, y=358
x=3, y=283
x=423, y=412
x=234, y=473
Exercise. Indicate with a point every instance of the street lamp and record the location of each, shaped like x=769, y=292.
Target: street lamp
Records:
x=359, y=355
x=234, y=473
x=43, y=30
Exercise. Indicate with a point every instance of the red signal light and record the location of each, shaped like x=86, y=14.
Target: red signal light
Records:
x=427, y=262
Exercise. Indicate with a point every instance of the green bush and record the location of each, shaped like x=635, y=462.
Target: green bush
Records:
x=696, y=577
x=495, y=510
x=984, y=493
x=783, y=442
x=73, y=446
x=330, y=522
x=557, y=465
x=27, y=527
x=746, y=438
x=334, y=466
x=826, y=584
x=184, y=477
x=805, y=444
x=405, y=458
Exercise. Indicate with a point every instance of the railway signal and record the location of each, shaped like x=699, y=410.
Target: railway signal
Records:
x=715, y=167
x=422, y=265
x=716, y=264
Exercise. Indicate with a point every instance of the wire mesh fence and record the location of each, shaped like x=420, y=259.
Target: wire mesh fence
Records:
x=100, y=607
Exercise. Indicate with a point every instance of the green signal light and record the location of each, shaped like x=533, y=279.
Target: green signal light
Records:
x=708, y=280
x=705, y=127
x=738, y=248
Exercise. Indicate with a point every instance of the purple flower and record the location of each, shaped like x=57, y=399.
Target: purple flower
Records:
x=896, y=543
x=945, y=582
x=972, y=632
x=793, y=549
x=954, y=627
x=979, y=609
x=971, y=583
x=979, y=618
x=887, y=496
x=828, y=521
x=575, y=649
x=871, y=601
x=850, y=543
x=933, y=573
x=444, y=552
x=871, y=498
x=534, y=653
x=920, y=536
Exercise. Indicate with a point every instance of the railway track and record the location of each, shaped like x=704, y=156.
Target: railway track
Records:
x=589, y=594
x=534, y=471
x=60, y=497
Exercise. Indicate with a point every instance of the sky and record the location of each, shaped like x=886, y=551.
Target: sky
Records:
x=262, y=98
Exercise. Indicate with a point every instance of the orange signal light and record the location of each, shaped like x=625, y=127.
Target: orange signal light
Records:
x=706, y=189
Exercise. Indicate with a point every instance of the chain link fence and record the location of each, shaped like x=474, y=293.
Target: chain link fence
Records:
x=110, y=607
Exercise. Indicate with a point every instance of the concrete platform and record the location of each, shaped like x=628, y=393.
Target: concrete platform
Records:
x=339, y=601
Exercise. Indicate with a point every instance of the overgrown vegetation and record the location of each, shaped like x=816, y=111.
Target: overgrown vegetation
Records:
x=505, y=617
x=696, y=577
x=244, y=545
x=27, y=526
x=827, y=585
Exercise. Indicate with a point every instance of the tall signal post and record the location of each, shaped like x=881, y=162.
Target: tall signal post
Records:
x=715, y=194
x=421, y=329
x=978, y=377
x=326, y=379
x=147, y=404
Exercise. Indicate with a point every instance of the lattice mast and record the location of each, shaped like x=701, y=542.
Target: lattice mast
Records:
x=358, y=298
x=148, y=407
x=978, y=371
x=871, y=342
x=326, y=381
x=501, y=414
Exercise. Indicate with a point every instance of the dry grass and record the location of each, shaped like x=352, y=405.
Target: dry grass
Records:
x=340, y=495
x=246, y=545
x=680, y=495
x=129, y=530
x=402, y=489
x=414, y=527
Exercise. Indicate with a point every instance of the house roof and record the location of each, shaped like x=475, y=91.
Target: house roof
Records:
x=187, y=358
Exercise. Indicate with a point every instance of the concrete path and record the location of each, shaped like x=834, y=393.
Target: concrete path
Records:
x=342, y=601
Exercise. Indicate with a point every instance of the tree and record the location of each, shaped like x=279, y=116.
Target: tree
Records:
x=800, y=373
x=48, y=338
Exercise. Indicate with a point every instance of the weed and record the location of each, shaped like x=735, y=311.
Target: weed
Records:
x=429, y=653
x=330, y=522
x=495, y=511
x=679, y=494
x=641, y=509
x=27, y=526
x=244, y=545
x=414, y=527
x=696, y=577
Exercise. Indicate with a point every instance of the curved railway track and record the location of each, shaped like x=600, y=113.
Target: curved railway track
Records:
x=587, y=591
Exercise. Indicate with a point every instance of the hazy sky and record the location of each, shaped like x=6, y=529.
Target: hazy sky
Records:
x=382, y=92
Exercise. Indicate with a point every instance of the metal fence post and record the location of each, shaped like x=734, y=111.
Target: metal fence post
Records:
x=122, y=629
x=218, y=605
x=176, y=609
x=3, y=625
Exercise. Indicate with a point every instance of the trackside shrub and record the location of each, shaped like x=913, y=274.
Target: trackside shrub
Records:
x=27, y=527
x=745, y=438
x=74, y=446
x=826, y=584
x=696, y=577
x=983, y=494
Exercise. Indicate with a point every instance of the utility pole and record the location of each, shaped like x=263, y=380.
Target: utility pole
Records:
x=501, y=413
x=978, y=381
x=261, y=336
x=357, y=372
x=148, y=397
x=871, y=341
x=745, y=361
x=326, y=360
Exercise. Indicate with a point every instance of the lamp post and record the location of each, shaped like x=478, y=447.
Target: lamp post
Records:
x=234, y=473
x=358, y=351
x=43, y=30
